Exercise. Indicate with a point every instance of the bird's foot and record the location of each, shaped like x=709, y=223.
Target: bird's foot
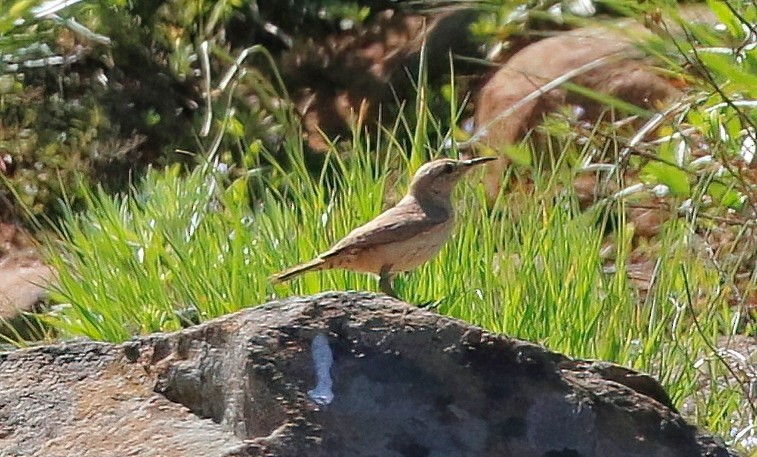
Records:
x=385, y=282
x=430, y=304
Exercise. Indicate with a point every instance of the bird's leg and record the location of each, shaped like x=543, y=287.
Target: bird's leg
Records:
x=385, y=281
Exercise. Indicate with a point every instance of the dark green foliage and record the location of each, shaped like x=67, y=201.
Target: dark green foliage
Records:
x=117, y=107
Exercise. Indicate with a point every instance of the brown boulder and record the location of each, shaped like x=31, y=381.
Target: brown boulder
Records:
x=22, y=287
x=406, y=382
x=23, y=279
x=600, y=59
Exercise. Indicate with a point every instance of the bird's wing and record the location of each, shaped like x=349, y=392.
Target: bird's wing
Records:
x=396, y=224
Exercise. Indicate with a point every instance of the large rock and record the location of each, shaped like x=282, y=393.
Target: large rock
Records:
x=22, y=288
x=23, y=279
x=602, y=59
x=406, y=382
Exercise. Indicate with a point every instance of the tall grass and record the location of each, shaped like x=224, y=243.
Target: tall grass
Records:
x=182, y=248
x=192, y=247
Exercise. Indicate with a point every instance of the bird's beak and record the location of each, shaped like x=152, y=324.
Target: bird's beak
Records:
x=477, y=160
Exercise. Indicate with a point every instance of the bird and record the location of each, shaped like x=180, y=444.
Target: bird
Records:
x=402, y=237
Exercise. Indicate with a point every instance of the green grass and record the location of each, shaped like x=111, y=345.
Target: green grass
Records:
x=529, y=267
x=202, y=244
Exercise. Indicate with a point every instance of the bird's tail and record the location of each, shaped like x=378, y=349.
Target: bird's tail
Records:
x=289, y=273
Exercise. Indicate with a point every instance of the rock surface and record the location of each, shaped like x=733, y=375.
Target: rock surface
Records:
x=23, y=277
x=22, y=287
x=406, y=383
x=601, y=59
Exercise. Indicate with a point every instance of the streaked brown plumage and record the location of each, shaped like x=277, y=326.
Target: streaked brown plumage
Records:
x=404, y=236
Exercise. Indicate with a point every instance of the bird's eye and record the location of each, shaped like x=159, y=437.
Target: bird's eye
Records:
x=449, y=168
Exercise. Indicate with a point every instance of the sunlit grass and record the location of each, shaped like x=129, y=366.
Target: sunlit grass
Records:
x=187, y=247
x=195, y=245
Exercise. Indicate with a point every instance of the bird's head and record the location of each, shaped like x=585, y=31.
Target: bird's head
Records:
x=438, y=178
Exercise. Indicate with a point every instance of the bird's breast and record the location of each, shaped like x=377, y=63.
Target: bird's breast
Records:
x=408, y=254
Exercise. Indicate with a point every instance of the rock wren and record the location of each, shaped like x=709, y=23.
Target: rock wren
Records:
x=402, y=237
